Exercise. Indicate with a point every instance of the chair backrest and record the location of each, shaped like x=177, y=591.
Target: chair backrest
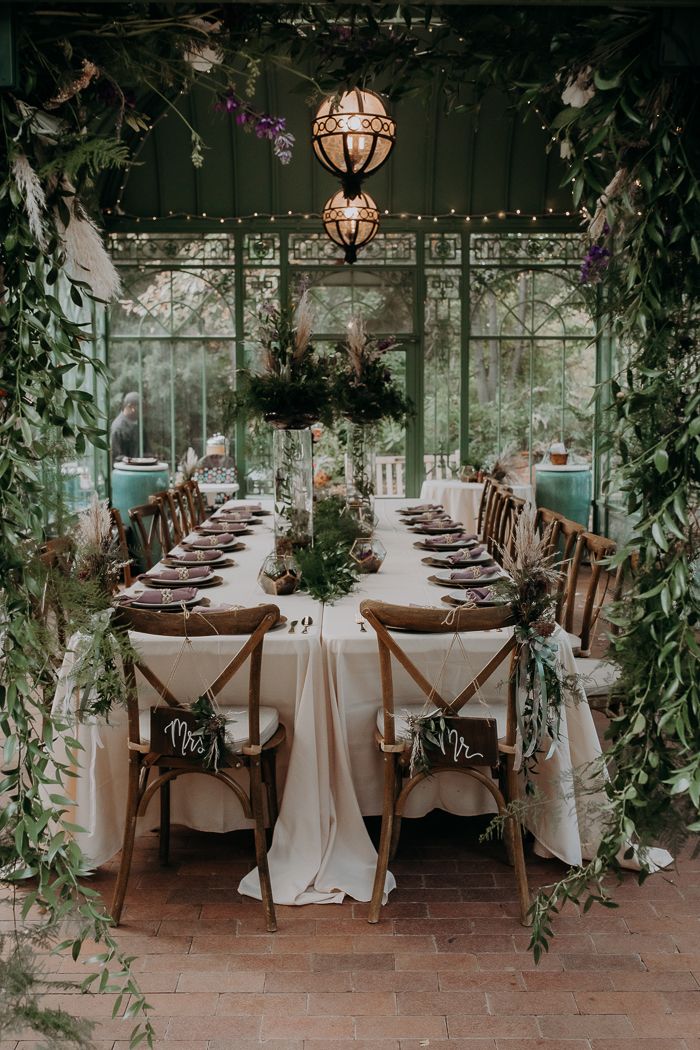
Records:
x=497, y=518
x=147, y=520
x=171, y=532
x=187, y=522
x=600, y=584
x=383, y=618
x=515, y=507
x=254, y=622
x=119, y=531
x=485, y=492
x=547, y=523
x=196, y=501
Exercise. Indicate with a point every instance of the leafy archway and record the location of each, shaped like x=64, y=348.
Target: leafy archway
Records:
x=624, y=117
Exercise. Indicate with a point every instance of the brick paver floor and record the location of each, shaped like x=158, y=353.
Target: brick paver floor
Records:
x=447, y=967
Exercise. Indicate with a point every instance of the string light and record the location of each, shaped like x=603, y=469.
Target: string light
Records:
x=117, y=215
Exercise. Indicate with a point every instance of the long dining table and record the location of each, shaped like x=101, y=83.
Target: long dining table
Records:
x=325, y=684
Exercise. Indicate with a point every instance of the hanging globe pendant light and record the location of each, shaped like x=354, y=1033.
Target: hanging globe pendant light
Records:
x=353, y=136
x=350, y=221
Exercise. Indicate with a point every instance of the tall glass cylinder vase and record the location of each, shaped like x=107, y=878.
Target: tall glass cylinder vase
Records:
x=360, y=465
x=293, y=489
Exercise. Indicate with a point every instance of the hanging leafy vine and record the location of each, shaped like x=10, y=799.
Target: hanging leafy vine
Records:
x=62, y=126
x=628, y=128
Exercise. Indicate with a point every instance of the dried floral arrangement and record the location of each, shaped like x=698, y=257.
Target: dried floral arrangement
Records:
x=364, y=389
x=98, y=558
x=294, y=388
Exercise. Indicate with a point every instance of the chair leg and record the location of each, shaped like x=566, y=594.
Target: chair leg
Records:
x=518, y=851
x=132, y=806
x=396, y=832
x=164, y=846
x=508, y=826
x=269, y=769
x=385, y=838
x=261, y=844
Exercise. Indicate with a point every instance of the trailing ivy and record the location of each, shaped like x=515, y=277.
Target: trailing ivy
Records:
x=61, y=127
x=629, y=129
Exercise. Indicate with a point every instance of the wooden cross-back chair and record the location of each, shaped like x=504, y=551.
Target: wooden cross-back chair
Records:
x=147, y=521
x=56, y=555
x=171, y=529
x=196, y=501
x=547, y=524
x=120, y=532
x=497, y=520
x=256, y=746
x=187, y=522
x=490, y=508
x=485, y=494
x=600, y=584
x=515, y=506
x=563, y=544
x=483, y=756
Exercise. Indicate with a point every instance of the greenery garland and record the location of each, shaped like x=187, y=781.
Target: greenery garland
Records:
x=61, y=128
x=630, y=133
x=628, y=128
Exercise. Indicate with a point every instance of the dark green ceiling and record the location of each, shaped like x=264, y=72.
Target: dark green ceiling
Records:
x=472, y=163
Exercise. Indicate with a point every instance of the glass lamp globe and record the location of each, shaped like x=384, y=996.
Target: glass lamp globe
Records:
x=350, y=221
x=353, y=136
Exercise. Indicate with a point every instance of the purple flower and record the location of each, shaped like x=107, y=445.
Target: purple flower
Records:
x=594, y=265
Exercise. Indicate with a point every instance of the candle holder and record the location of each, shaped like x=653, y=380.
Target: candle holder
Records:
x=279, y=574
x=368, y=554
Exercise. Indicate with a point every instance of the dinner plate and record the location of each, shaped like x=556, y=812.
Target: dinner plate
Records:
x=440, y=581
x=221, y=525
x=420, y=508
x=211, y=580
x=458, y=599
x=436, y=530
x=426, y=545
x=442, y=560
x=230, y=546
x=173, y=560
x=135, y=604
x=446, y=576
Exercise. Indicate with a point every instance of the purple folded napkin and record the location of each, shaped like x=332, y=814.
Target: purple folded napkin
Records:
x=165, y=597
x=241, y=508
x=480, y=594
x=421, y=508
x=461, y=538
x=213, y=526
x=440, y=526
x=196, y=572
x=476, y=572
x=206, y=542
x=466, y=553
x=196, y=556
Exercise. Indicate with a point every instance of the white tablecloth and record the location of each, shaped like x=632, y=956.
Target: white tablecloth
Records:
x=566, y=824
x=461, y=499
x=326, y=687
x=321, y=849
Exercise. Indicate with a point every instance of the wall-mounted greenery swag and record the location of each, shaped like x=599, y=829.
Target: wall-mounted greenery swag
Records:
x=628, y=127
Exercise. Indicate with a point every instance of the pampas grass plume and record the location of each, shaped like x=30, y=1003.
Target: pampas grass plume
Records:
x=29, y=186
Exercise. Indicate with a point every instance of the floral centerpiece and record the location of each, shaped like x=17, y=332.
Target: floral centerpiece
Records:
x=365, y=393
x=293, y=389
x=365, y=390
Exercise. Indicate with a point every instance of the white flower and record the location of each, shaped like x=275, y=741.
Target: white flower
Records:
x=565, y=149
x=579, y=90
x=202, y=57
x=29, y=186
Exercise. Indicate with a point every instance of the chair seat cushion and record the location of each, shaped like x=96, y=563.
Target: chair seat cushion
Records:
x=597, y=676
x=403, y=711
x=236, y=725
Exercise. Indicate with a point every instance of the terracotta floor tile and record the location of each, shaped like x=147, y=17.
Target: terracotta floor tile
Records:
x=221, y=982
x=442, y=1002
x=395, y=980
x=324, y=1028
x=436, y=962
x=638, y=1044
x=357, y=961
x=422, y=1026
x=352, y=1004
x=477, y=1026
x=620, y=1002
x=238, y=1004
x=210, y=1027
x=588, y=1026
x=340, y=981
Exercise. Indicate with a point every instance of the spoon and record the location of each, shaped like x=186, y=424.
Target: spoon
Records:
x=292, y=626
x=307, y=621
